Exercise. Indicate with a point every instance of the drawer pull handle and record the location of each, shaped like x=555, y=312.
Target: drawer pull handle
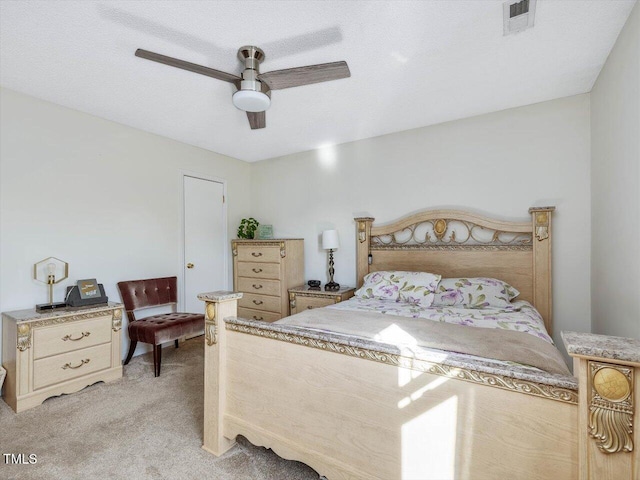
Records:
x=257, y=270
x=68, y=337
x=258, y=318
x=258, y=302
x=82, y=362
x=257, y=287
x=256, y=254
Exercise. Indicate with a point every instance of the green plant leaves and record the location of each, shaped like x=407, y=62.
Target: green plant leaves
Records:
x=247, y=228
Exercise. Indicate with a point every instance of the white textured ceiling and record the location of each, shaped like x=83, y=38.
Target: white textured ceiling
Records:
x=412, y=63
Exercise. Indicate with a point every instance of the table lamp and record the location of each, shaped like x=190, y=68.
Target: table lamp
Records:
x=45, y=271
x=331, y=242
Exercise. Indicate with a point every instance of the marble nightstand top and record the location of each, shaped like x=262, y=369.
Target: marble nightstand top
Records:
x=320, y=290
x=30, y=314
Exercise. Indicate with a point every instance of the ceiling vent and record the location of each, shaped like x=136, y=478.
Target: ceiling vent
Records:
x=518, y=15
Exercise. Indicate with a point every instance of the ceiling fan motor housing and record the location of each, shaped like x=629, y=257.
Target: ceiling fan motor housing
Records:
x=253, y=96
x=251, y=56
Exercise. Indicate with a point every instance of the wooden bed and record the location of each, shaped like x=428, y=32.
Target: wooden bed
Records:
x=351, y=412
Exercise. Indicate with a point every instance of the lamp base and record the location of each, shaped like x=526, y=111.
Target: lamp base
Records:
x=43, y=307
x=332, y=287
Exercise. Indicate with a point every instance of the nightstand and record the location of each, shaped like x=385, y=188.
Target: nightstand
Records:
x=305, y=298
x=59, y=351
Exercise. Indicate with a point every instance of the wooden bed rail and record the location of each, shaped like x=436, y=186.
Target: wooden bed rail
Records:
x=455, y=243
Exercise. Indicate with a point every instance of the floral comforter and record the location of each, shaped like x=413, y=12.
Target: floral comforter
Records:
x=521, y=316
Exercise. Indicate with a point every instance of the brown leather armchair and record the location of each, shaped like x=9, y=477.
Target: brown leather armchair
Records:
x=156, y=329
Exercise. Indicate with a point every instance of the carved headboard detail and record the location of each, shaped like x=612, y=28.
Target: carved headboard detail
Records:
x=456, y=243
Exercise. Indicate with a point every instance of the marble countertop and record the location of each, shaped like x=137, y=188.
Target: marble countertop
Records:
x=30, y=314
x=602, y=346
x=434, y=356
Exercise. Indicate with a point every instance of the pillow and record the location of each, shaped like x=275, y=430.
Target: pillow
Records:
x=409, y=287
x=474, y=293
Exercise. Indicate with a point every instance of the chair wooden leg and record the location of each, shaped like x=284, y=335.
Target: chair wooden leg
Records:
x=157, y=359
x=176, y=343
x=132, y=348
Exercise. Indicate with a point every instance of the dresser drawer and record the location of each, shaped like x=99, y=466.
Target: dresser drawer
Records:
x=71, y=336
x=59, y=368
x=307, y=303
x=259, y=270
x=258, y=315
x=258, y=253
x=260, y=302
x=258, y=285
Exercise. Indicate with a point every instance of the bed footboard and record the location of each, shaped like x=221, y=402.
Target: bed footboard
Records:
x=353, y=417
x=349, y=415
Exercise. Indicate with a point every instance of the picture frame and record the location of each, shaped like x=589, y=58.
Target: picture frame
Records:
x=88, y=288
x=264, y=232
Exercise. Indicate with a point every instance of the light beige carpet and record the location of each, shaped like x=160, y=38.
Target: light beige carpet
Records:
x=139, y=427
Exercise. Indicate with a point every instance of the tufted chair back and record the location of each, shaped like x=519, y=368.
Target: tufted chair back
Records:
x=160, y=328
x=154, y=292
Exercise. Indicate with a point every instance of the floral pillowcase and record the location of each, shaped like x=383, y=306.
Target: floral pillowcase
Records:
x=474, y=293
x=409, y=287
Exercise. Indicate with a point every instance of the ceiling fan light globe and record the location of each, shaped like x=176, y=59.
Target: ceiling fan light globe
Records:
x=251, y=101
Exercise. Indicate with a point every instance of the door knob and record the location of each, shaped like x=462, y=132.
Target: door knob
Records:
x=190, y=265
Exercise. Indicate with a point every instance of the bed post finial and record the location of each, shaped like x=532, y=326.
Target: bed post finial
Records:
x=541, y=218
x=363, y=242
x=218, y=306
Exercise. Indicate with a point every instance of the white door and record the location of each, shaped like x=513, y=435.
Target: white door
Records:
x=204, y=240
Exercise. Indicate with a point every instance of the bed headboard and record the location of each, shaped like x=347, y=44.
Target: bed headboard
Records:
x=456, y=243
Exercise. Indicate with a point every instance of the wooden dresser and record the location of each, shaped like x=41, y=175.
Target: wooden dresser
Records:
x=264, y=270
x=62, y=351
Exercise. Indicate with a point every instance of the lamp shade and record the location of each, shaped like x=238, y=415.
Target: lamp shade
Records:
x=330, y=239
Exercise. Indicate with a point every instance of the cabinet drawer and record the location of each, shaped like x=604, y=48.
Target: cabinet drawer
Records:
x=258, y=285
x=259, y=270
x=259, y=253
x=60, y=368
x=307, y=303
x=258, y=315
x=71, y=336
x=260, y=302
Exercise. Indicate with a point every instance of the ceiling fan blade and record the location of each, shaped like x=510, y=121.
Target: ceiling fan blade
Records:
x=296, y=77
x=257, y=120
x=192, y=67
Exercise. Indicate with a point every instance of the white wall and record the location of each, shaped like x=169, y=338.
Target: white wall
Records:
x=105, y=197
x=100, y=195
x=615, y=186
x=500, y=164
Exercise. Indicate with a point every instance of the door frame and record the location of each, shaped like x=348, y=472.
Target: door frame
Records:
x=181, y=249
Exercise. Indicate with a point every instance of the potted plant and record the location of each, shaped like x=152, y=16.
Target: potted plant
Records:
x=247, y=228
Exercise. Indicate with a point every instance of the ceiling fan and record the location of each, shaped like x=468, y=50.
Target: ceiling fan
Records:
x=254, y=88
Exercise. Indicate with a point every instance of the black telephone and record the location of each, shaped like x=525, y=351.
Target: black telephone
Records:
x=74, y=298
